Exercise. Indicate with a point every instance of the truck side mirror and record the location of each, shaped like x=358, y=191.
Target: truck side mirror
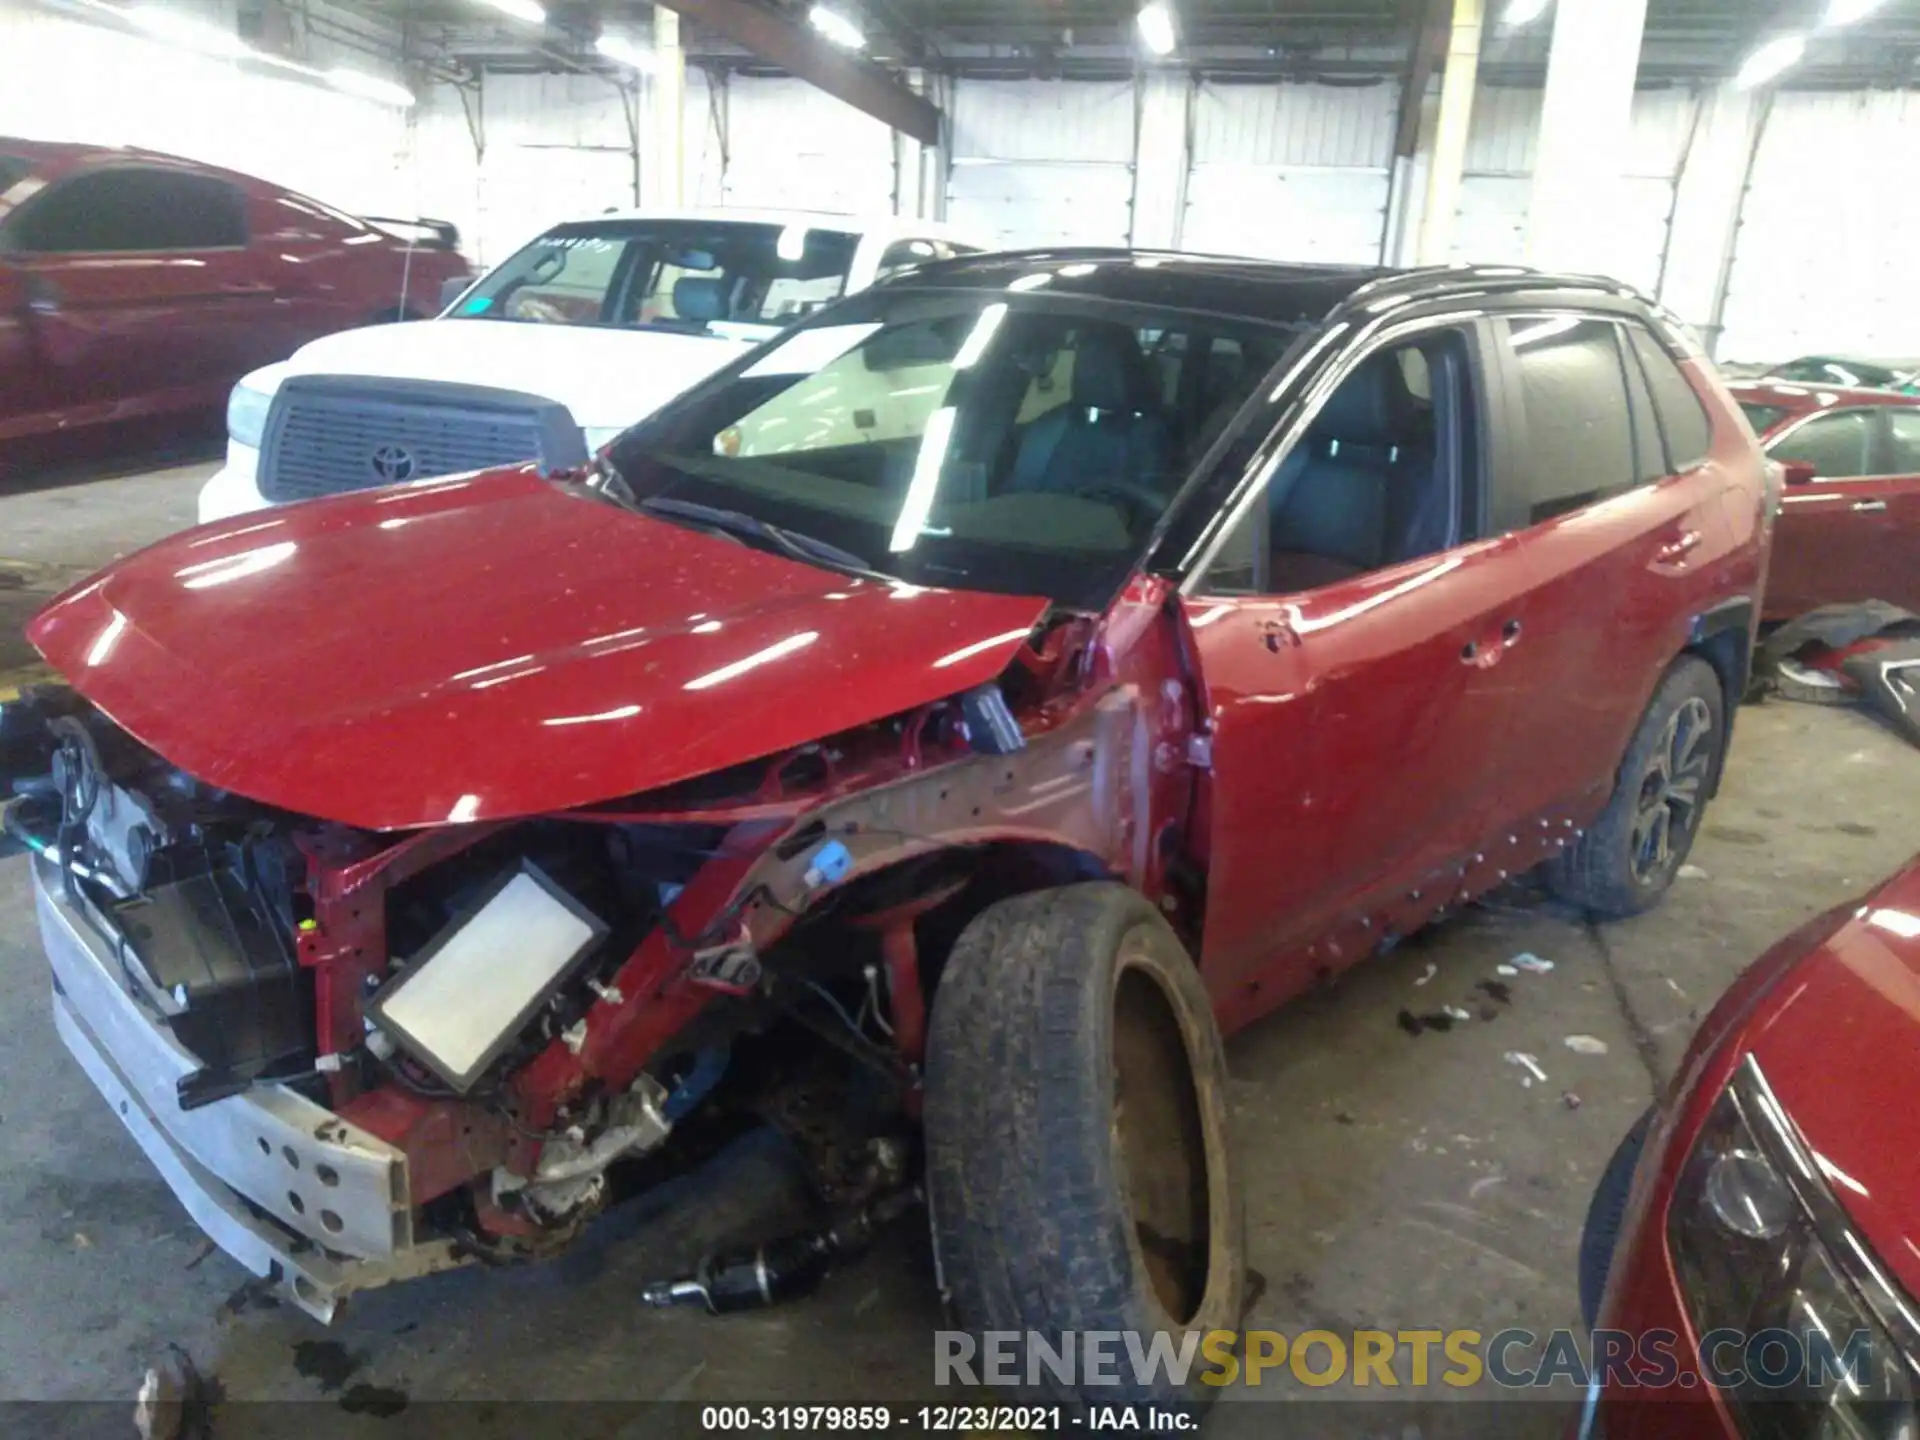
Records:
x=1799, y=472
x=452, y=290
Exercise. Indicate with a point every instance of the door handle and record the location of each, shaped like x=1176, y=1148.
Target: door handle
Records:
x=42, y=298
x=1673, y=554
x=1863, y=507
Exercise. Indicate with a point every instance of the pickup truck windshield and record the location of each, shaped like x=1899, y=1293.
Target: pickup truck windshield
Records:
x=1020, y=443
x=687, y=275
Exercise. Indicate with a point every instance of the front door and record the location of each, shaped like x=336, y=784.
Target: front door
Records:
x=1351, y=640
x=1851, y=533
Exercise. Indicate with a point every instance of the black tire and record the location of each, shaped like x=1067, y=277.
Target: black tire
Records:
x=1628, y=857
x=1070, y=1031
x=1600, y=1236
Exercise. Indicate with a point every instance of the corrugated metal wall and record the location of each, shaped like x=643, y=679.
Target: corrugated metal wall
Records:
x=65, y=79
x=1038, y=163
x=791, y=146
x=1827, y=257
x=557, y=146
x=1291, y=172
x=1498, y=184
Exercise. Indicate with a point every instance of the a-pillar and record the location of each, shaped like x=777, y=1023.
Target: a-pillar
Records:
x=1586, y=119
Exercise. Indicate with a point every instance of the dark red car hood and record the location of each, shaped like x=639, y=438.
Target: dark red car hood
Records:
x=1839, y=1041
x=495, y=646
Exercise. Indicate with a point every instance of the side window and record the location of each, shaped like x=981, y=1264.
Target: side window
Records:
x=1838, y=446
x=1649, y=448
x=903, y=254
x=1683, y=418
x=1579, y=434
x=1903, y=434
x=132, y=210
x=1380, y=477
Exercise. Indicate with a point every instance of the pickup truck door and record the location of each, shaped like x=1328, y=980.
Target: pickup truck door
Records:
x=140, y=288
x=23, y=392
x=1852, y=531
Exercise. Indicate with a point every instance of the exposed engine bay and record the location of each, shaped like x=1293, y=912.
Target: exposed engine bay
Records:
x=484, y=1034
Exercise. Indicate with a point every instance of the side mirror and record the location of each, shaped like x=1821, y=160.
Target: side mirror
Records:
x=452, y=290
x=1799, y=472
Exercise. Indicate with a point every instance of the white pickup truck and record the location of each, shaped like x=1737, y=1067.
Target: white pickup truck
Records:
x=583, y=332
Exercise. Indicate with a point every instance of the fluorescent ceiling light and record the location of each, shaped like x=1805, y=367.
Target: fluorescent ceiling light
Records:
x=524, y=10
x=618, y=48
x=1845, y=12
x=837, y=28
x=1524, y=12
x=1156, y=27
x=193, y=34
x=1770, y=60
x=370, y=87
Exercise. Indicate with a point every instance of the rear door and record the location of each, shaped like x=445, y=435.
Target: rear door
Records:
x=1853, y=532
x=1624, y=538
x=1355, y=723
x=142, y=292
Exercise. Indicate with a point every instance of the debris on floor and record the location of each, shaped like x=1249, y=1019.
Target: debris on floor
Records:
x=171, y=1403
x=1496, y=990
x=1586, y=1045
x=1529, y=1064
x=1569, y=1099
x=1505, y=970
x=1526, y=960
x=1692, y=872
x=1432, y=970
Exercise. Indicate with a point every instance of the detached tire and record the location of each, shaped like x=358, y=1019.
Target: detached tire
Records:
x=1078, y=1157
x=1628, y=857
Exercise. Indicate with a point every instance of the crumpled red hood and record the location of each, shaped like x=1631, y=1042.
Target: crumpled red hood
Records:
x=1839, y=1042
x=495, y=646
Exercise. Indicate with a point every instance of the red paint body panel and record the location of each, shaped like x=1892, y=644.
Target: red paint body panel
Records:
x=1846, y=985
x=89, y=340
x=1841, y=540
x=497, y=646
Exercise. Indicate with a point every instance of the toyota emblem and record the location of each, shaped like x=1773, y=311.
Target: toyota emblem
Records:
x=394, y=463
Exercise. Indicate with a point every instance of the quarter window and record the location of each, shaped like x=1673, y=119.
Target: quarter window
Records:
x=1903, y=428
x=132, y=210
x=1682, y=417
x=1580, y=439
x=1838, y=446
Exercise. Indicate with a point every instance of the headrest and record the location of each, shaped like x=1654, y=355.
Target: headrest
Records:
x=1106, y=364
x=696, y=297
x=1362, y=410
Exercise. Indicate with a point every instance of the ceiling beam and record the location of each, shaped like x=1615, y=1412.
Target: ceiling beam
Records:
x=860, y=83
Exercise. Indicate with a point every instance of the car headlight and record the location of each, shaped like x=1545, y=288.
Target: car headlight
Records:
x=247, y=414
x=1794, y=1316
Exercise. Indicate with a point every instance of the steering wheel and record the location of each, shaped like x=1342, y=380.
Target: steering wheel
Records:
x=1139, y=503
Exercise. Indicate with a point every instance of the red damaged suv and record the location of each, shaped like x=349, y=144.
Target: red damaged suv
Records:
x=1761, y=1223
x=928, y=735
x=136, y=286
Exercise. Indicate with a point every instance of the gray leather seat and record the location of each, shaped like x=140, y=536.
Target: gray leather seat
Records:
x=1106, y=434
x=1359, y=491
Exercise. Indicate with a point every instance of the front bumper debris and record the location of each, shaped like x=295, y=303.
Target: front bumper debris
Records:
x=281, y=1184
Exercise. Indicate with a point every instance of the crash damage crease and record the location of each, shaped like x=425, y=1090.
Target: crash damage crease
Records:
x=327, y=1199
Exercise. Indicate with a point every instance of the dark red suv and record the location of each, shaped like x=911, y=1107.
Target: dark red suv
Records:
x=967, y=705
x=137, y=286
x=1850, y=519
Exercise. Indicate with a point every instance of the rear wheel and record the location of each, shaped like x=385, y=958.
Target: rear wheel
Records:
x=1627, y=859
x=1079, y=1168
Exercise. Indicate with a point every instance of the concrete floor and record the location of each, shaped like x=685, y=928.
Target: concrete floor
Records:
x=1392, y=1181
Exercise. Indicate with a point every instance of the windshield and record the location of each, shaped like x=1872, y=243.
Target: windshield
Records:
x=1022, y=443
x=689, y=275
x=1763, y=417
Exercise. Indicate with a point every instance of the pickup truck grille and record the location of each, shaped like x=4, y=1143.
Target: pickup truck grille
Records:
x=331, y=434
